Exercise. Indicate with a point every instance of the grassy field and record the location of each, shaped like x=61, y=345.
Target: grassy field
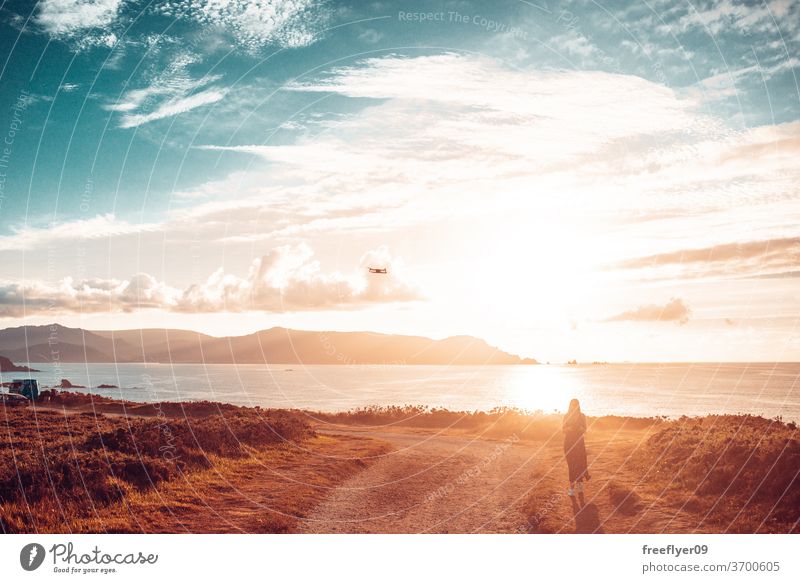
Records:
x=717, y=474
x=739, y=473
x=77, y=463
x=158, y=467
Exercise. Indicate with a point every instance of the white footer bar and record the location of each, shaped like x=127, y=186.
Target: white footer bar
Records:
x=379, y=558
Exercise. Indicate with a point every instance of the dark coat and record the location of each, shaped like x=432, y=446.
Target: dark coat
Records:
x=574, y=426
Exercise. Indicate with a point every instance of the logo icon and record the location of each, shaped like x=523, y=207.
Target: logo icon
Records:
x=31, y=556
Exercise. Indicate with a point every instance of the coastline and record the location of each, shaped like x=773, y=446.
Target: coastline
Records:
x=626, y=390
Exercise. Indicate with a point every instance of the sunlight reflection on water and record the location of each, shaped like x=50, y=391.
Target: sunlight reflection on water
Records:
x=541, y=388
x=621, y=389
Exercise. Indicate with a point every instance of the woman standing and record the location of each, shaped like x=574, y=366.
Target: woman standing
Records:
x=574, y=427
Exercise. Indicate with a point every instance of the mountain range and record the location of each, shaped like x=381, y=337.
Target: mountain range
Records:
x=273, y=346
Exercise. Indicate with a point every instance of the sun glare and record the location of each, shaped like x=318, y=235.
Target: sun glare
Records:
x=540, y=388
x=540, y=269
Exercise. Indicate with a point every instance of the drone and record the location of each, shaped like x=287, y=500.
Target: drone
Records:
x=378, y=270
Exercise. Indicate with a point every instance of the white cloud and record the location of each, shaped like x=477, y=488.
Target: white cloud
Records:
x=618, y=105
x=255, y=23
x=171, y=92
x=370, y=36
x=101, y=226
x=107, y=40
x=676, y=310
x=753, y=167
x=453, y=138
x=452, y=107
x=444, y=131
x=83, y=296
x=574, y=43
x=290, y=279
x=173, y=107
x=286, y=279
x=718, y=16
x=722, y=85
x=448, y=140
x=70, y=17
x=732, y=83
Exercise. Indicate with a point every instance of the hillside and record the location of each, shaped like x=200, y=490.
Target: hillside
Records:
x=6, y=365
x=273, y=346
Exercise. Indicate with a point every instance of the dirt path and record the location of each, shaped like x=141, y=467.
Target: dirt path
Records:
x=433, y=483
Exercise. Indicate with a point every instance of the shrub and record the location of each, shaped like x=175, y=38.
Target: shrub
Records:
x=741, y=467
x=499, y=422
x=90, y=459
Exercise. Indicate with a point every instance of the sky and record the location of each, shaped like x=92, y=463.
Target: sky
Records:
x=604, y=181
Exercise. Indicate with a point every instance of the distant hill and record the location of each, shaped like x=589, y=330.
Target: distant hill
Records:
x=7, y=366
x=56, y=342
x=273, y=346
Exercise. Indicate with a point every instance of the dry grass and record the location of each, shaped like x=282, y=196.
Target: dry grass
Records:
x=269, y=491
x=740, y=473
x=59, y=466
x=72, y=401
x=735, y=473
x=623, y=499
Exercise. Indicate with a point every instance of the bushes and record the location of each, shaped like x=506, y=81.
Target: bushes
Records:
x=219, y=435
x=71, y=399
x=37, y=476
x=87, y=459
x=746, y=468
x=499, y=422
x=99, y=404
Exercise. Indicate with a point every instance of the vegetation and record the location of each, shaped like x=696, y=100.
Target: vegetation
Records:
x=99, y=404
x=82, y=463
x=729, y=473
x=497, y=423
x=57, y=464
x=738, y=472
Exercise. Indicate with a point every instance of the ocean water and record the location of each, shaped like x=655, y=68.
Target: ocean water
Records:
x=769, y=390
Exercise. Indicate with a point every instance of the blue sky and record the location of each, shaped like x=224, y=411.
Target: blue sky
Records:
x=228, y=166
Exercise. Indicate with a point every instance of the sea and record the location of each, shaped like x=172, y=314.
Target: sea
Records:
x=640, y=390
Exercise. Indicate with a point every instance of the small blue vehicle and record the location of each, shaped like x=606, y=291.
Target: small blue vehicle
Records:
x=28, y=388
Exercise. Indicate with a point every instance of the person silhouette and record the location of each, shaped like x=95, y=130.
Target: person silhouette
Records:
x=574, y=427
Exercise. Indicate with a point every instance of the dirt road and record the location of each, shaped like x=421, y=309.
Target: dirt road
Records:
x=433, y=483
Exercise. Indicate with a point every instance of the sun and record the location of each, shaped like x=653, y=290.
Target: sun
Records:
x=541, y=388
